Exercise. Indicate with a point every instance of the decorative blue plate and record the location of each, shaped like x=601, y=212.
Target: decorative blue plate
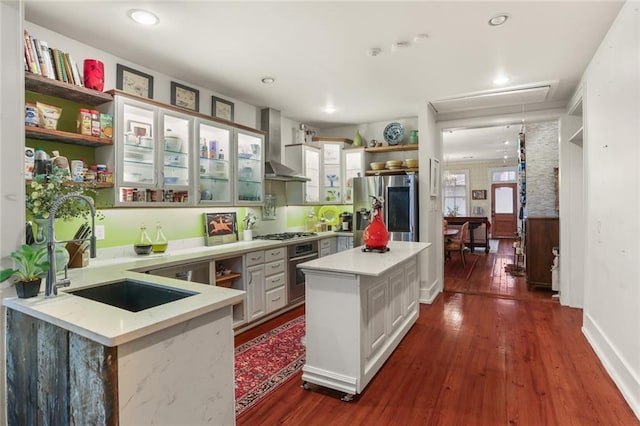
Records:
x=393, y=133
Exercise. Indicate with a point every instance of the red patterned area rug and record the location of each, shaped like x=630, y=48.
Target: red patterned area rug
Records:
x=266, y=362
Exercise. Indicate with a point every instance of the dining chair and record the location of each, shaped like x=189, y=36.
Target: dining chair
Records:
x=456, y=244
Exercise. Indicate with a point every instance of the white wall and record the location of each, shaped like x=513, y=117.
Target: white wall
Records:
x=12, y=213
x=612, y=203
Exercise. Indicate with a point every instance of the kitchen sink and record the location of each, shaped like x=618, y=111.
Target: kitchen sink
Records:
x=132, y=295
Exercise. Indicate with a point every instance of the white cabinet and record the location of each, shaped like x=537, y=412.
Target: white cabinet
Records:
x=153, y=158
x=327, y=246
x=214, y=176
x=275, y=281
x=249, y=167
x=332, y=174
x=255, y=284
x=304, y=159
x=344, y=243
x=369, y=316
x=353, y=160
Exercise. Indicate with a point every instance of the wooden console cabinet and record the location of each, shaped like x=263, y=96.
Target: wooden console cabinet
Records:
x=542, y=235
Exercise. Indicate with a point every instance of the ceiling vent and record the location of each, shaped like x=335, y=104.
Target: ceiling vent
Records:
x=494, y=99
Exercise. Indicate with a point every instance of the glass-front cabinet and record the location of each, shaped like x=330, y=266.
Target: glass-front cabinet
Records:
x=353, y=160
x=332, y=172
x=214, y=163
x=249, y=167
x=305, y=159
x=153, y=160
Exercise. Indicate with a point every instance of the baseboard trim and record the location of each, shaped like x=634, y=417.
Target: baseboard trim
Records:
x=429, y=294
x=619, y=371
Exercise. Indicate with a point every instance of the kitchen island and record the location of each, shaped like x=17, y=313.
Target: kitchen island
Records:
x=359, y=306
x=72, y=360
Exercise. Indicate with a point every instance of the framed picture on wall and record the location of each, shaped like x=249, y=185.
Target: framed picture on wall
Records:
x=134, y=82
x=478, y=194
x=434, y=177
x=221, y=108
x=185, y=97
x=220, y=228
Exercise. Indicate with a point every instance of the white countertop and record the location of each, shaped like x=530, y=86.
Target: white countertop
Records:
x=355, y=261
x=112, y=326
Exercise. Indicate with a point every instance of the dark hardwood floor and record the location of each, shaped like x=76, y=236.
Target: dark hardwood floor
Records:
x=486, y=352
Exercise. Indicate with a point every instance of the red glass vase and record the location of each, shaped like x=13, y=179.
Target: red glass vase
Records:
x=375, y=234
x=94, y=74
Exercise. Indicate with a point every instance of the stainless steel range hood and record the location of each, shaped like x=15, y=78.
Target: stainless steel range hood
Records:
x=273, y=168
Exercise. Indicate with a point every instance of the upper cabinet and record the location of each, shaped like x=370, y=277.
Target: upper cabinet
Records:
x=152, y=157
x=332, y=172
x=305, y=159
x=353, y=160
x=214, y=167
x=249, y=167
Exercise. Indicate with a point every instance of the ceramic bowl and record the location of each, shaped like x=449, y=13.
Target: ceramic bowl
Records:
x=171, y=180
x=393, y=164
x=411, y=163
x=377, y=165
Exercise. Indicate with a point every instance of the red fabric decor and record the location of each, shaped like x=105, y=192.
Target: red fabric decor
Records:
x=268, y=361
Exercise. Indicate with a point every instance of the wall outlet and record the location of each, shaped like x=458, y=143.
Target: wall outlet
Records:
x=99, y=232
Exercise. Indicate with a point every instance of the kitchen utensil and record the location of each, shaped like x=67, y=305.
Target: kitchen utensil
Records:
x=393, y=133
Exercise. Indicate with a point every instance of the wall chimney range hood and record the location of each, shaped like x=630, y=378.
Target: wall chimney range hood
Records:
x=273, y=167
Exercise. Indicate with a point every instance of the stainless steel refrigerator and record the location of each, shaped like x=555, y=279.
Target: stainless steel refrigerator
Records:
x=400, y=208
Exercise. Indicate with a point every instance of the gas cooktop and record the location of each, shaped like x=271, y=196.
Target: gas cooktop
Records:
x=284, y=235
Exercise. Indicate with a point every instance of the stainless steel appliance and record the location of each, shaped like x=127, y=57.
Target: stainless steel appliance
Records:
x=299, y=253
x=400, y=210
x=346, y=219
x=284, y=235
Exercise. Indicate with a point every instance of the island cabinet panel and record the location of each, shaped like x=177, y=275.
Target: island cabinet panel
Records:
x=370, y=314
x=57, y=377
x=182, y=374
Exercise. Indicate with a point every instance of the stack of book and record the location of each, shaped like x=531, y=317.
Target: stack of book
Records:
x=48, y=62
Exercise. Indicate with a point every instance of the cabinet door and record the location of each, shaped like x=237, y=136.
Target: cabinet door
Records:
x=136, y=162
x=153, y=160
x=177, y=141
x=312, y=171
x=353, y=160
x=249, y=168
x=332, y=172
x=305, y=159
x=214, y=171
x=397, y=297
x=412, y=287
x=376, y=316
x=256, y=291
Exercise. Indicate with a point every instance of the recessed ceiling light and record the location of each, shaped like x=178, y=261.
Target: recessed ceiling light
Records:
x=374, y=51
x=501, y=79
x=418, y=38
x=399, y=45
x=268, y=80
x=329, y=109
x=143, y=17
x=498, y=20
x=506, y=142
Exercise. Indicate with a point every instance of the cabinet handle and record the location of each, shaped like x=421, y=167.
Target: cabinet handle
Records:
x=276, y=299
x=255, y=258
x=250, y=278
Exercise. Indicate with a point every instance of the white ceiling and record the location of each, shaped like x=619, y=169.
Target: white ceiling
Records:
x=316, y=51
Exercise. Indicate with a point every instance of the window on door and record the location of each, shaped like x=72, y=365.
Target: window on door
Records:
x=455, y=193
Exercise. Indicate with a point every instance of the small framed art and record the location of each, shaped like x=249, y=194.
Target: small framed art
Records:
x=220, y=228
x=434, y=175
x=185, y=97
x=221, y=108
x=134, y=82
x=478, y=194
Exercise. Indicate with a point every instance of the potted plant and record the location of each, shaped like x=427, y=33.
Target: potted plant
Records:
x=31, y=265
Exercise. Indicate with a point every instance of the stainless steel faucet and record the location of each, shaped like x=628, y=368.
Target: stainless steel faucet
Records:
x=52, y=284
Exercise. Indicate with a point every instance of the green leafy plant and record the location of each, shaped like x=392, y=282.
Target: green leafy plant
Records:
x=46, y=189
x=453, y=211
x=30, y=263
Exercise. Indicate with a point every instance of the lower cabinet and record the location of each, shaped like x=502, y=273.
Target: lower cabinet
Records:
x=344, y=243
x=327, y=246
x=275, y=279
x=541, y=236
x=255, y=284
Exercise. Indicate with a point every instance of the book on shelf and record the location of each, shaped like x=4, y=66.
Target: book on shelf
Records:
x=35, y=43
x=77, y=77
x=67, y=68
x=56, y=61
x=30, y=53
x=51, y=72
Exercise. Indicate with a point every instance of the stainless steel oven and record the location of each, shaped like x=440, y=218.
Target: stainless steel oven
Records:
x=299, y=253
